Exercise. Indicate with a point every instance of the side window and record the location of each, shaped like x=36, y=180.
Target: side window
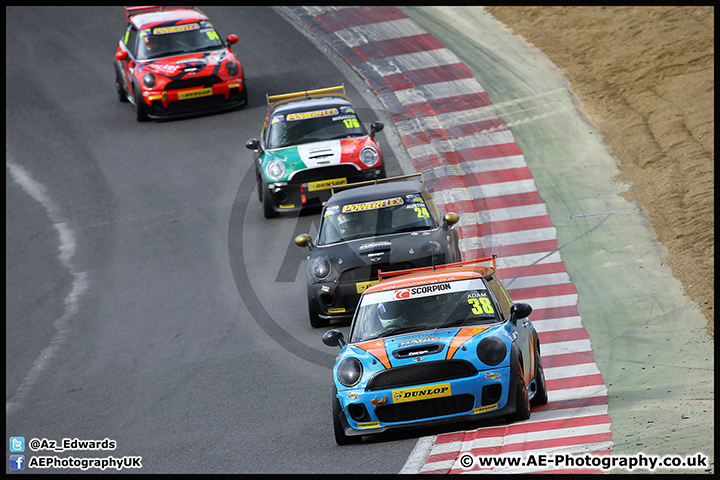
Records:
x=131, y=40
x=433, y=208
x=501, y=296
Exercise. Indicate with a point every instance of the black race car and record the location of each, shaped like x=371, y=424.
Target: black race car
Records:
x=390, y=224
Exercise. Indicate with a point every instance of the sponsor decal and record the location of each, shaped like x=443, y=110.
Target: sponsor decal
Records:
x=421, y=291
x=426, y=338
x=291, y=117
x=492, y=376
x=352, y=395
x=373, y=245
x=368, y=425
x=421, y=393
x=336, y=310
x=361, y=207
x=195, y=93
x=176, y=29
x=485, y=408
x=377, y=403
x=362, y=286
x=326, y=184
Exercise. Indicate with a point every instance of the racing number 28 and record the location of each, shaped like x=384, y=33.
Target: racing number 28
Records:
x=481, y=305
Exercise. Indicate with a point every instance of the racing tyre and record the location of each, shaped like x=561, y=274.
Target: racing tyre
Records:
x=315, y=319
x=541, y=396
x=259, y=186
x=140, y=112
x=120, y=89
x=340, y=437
x=268, y=211
x=522, y=401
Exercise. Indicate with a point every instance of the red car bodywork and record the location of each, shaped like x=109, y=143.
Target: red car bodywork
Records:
x=191, y=70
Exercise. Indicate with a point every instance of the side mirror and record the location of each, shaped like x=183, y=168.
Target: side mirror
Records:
x=334, y=338
x=518, y=311
x=450, y=219
x=303, y=240
x=232, y=38
x=252, y=144
x=375, y=127
x=122, y=55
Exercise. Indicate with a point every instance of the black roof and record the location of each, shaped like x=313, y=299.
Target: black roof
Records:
x=305, y=104
x=376, y=192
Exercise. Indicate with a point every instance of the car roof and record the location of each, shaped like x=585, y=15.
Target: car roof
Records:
x=430, y=276
x=376, y=192
x=161, y=16
x=309, y=104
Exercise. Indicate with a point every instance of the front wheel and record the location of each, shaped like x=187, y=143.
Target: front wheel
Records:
x=522, y=402
x=140, y=111
x=268, y=211
x=315, y=320
x=120, y=88
x=340, y=437
x=541, y=395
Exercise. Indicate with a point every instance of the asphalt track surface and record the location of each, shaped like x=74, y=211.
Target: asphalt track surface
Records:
x=146, y=306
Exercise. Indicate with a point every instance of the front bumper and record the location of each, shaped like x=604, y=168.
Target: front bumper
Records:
x=178, y=103
x=373, y=412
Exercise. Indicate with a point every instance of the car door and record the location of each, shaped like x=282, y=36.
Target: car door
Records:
x=126, y=66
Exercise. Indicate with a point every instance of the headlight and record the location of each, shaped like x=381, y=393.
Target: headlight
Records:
x=320, y=268
x=149, y=80
x=491, y=351
x=276, y=170
x=349, y=372
x=232, y=68
x=369, y=156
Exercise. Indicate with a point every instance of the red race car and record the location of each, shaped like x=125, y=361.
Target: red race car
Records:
x=171, y=63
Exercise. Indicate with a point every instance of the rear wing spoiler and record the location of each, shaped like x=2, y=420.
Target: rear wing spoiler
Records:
x=338, y=91
x=131, y=11
x=383, y=275
x=335, y=188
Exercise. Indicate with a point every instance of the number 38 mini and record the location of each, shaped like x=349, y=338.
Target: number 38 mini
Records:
x=435, y=345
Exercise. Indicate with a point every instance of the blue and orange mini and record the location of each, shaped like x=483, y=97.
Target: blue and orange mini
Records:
x=435, y=345
x=171, y=62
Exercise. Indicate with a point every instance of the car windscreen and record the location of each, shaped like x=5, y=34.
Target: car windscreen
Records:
x=403, y=213
x=313, y=126
x=423, y=307
x=177, y=39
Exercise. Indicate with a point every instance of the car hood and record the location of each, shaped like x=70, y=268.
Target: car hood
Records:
x=384, y=251
x=458, y=343
x=318, y=154
x=186, y=64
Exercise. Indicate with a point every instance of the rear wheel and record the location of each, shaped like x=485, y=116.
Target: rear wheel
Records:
x=340, y=437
